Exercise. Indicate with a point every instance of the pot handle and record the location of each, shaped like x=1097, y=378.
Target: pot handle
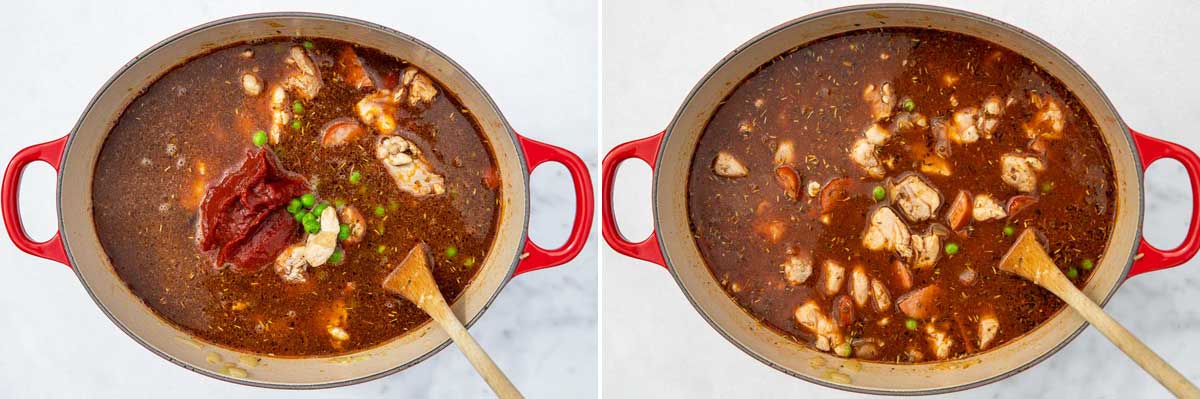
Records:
x=49, y=152
x=1150, y=258
x=535, y=257
x=647, y=150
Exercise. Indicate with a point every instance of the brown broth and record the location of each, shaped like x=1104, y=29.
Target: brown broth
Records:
x=145, y=199
x=813, y=96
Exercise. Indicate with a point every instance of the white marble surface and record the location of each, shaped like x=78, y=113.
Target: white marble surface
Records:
x=656, y=345
x=537, y=59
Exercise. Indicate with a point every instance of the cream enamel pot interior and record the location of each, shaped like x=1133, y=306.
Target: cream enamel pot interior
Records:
x=669, y=155
x=76, y=244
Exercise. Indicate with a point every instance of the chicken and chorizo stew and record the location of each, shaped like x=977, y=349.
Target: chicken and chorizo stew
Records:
x=857, y=193
x=254, y=195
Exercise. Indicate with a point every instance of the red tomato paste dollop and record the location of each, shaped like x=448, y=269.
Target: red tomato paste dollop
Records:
x=243, y=218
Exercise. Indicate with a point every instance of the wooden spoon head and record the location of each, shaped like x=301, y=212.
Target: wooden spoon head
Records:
x=1027, y=258
x=412, y=279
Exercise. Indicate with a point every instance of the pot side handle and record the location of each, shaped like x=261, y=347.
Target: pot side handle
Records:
x=51, y=153
x=645, y=149
x=1150, y=258
x=535, y=257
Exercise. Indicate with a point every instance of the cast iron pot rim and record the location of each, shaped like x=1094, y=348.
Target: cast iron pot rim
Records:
x=303, y=15
x=891, y=6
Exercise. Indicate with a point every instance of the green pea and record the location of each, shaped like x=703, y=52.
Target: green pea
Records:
x=451, y=251
x=311, y=226
x=355, y=177
x=1009, y=231
x=339, y=204
x=296, y=124
x=1087, y=264
x=469, y=262
x=294, y=206
x=259, y=138
x=308, y=199
x=308, y=217
x=300, y=215
x=343, y=232
x=911, y=324
x=381, y=248
x=337, y=257
x=320, y=208
x=951, y=248
x=308, y=45
x=297, y=107
x=878, y=193
x=379, y=210
x=1072, y=272
x=908, y=105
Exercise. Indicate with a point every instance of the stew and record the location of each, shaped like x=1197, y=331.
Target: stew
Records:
x=857, y=193
x=256, y=195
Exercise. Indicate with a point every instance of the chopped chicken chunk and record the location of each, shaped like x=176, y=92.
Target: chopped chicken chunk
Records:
x=797, y=269
x=354, y=222
x=727, y=166
x=860, y=286
x=1020, y=171
x=377, y=110
x=886, y=232
x=420, y=88
x=986, y=208
x=916, y=199
x=408, y=168
x=828, y=334
x=251, y=85
x=883, y=299
x=834, y=276
x=307, y=82
x=281, y=114
x=876, y=134
x=928, y=248
x=290, y=264
x=989, y=325
x=963, y=130
x=919, y=303
x=908, y=120
x=785, y=153
x=960, y=211
x=990, y=116
x=939, y=340
x=1048, y=121
x=318, y=247
x=880, y=99
x=863, y=154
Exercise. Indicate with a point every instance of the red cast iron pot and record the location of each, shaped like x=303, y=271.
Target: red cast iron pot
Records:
x=669, y=155
x=76, y=245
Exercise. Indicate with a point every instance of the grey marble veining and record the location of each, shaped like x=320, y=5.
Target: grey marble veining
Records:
x=542, y=329
x=656, y=345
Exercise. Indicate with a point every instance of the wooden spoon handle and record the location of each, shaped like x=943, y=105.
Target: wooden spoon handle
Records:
x=475, y=354
x=1134, y=348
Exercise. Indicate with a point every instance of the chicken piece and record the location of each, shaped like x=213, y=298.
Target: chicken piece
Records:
x=320, y=246
x=963, y=129
x=354, y=222
x=989, y=117
x=909, y=120
x=860, y=286
x=877, y=135
x=927, y=248
x=986, y=208
x=886, y=232
x=880, y=99
x=726, y=165
x=408, y=168
x=915, y=197
x=340, y=131
x=251, y=85
x=306, y=81
x=785, y=153
x=989, y=325
x=834, y=276
x=960, y=212
x=1048, y=121
x=1020, y=171
x=337, y=317
x=290, y=264
x=810, y=317
x=940, y=342
x=867, y=348
x=863, y=155
x=420, y=88
x=378, y=110
x=797, y=268
x=967, y=277
x=919, y=303
x=883, y=299
x=903, y=276
x=281, y=114
x=351, y=70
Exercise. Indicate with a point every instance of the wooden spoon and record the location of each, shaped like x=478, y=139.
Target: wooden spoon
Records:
x=413, y=281
x=1028, y=259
